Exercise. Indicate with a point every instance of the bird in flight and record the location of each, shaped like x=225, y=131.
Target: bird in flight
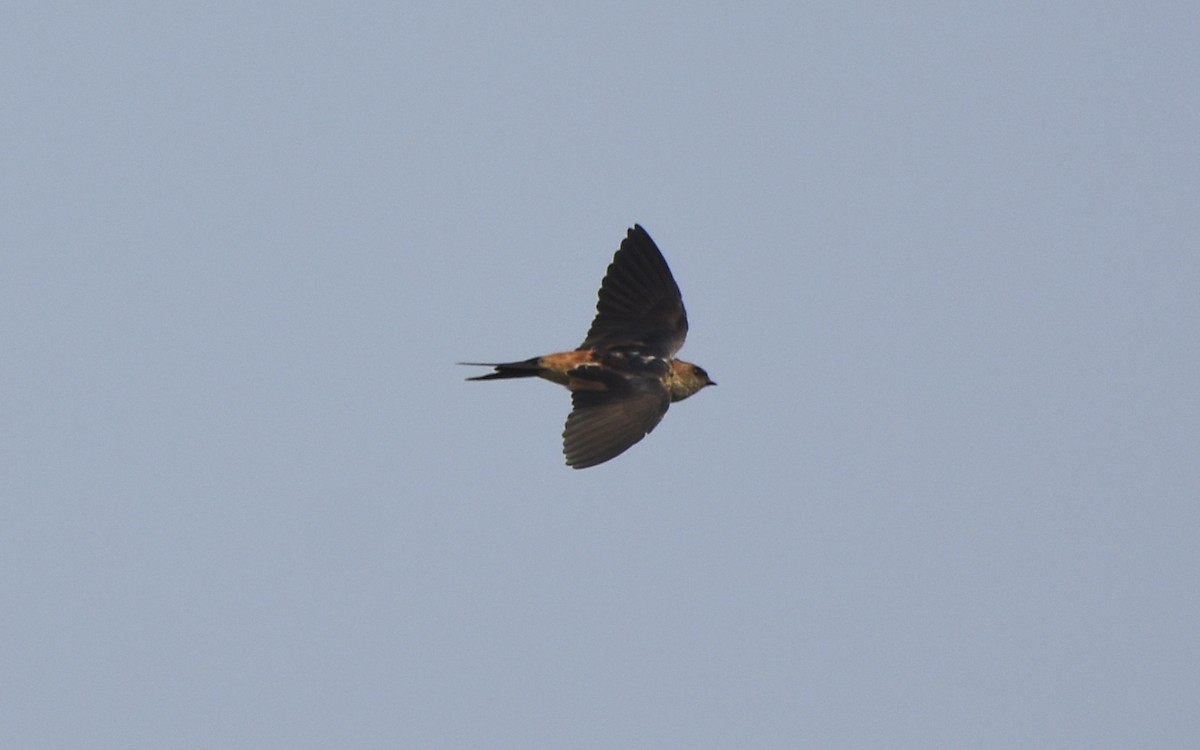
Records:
x=624, y=375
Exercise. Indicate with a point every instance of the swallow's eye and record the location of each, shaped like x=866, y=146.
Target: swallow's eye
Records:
x=700, y=372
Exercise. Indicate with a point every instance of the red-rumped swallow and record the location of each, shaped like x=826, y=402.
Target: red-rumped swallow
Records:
x=623, y=376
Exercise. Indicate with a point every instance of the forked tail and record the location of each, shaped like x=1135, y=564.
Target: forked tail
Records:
x=527, y=368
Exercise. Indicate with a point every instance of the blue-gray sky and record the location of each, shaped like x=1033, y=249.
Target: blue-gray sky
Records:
x=943, y=258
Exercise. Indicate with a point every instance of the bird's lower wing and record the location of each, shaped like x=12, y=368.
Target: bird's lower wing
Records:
x=604, y=423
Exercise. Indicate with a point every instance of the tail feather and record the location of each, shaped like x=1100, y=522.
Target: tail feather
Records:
x=527, y=368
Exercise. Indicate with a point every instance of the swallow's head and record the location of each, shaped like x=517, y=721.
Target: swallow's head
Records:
x=685, y=379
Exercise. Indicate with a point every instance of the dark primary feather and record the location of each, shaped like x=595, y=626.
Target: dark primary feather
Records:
x=639, y=301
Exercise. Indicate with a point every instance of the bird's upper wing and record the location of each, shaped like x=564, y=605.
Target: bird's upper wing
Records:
x=639, y=302
x=607, y=421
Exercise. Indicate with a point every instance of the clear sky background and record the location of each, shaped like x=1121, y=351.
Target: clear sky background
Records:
x=943, y=259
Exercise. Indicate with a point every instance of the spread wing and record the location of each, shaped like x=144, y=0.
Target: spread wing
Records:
x=639, y=302
x=606, y=422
